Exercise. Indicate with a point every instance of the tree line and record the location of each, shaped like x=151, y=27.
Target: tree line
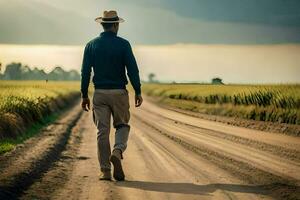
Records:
x=17, y=71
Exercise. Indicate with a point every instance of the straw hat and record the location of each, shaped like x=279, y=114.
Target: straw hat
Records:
x=109, y=17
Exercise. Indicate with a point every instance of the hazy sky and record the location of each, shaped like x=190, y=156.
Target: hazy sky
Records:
x=242, y=41
x=152, y=21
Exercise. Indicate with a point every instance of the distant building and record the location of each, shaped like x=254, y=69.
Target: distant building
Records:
x=217, y=81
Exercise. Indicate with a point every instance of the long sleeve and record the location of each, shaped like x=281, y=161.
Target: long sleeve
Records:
x=132, y=70
x=86, y=71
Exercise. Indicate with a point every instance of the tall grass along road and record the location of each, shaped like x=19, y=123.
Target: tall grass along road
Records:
x=275, y=104
x=25, y=106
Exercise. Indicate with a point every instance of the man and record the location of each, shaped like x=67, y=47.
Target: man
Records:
x=110, y=56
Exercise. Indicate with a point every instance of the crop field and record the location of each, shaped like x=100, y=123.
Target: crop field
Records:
x=275, y=103
x=25, y=103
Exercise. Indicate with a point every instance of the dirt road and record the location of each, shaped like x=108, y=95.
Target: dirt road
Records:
x=175, y=156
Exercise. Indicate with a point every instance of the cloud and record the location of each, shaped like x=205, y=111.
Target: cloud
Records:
x=158, y=22
x=33, y=22
x=251, y=12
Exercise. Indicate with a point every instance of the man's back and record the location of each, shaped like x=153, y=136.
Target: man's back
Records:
x=109, y=55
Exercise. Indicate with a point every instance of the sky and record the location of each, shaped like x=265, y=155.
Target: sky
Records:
x=152, y=22
x=242, y=41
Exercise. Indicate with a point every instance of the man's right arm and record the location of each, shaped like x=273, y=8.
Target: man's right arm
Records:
x=86, y=71
x=85, y=77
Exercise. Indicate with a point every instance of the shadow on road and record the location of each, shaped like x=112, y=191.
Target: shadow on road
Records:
x=190, y=188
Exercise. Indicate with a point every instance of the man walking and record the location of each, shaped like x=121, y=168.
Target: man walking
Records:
x=110, y=57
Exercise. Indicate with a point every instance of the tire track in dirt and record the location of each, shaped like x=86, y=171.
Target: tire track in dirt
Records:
x=37, y=157
x=288, y=142
x=177, y=173
x=290, y=154
x=239, y=152
x=278, y=185
x=57, y=175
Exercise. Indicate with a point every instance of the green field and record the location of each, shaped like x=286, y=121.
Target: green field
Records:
x=275, y=103
x=27, y=105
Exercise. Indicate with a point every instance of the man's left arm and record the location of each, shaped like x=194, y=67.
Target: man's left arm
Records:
x=85, y=77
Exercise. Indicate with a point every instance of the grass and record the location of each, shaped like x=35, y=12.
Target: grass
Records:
x=25, y=106
x=275, y=103
x=9, y=144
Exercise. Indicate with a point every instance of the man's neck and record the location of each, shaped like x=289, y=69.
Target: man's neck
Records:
x=111, y=30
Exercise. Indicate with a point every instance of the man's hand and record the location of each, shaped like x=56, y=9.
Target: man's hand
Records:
x=138, y=100
x=85, y=104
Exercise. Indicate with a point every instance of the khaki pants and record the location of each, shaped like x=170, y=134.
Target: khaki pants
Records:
x=107, y=103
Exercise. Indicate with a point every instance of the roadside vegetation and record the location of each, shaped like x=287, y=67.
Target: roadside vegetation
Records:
x=25, y=106
x=274, y=103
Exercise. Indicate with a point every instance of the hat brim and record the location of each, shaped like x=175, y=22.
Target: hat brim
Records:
x=100, y=20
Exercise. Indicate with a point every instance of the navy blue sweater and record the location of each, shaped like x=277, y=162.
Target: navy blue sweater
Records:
x=109, y=56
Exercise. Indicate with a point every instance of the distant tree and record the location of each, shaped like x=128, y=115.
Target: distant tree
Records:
x=37, y=74
x=151, y=77
x=26, y=72
x=73, y=75
x=217, y=81
x=57, y=74
x=13, y=71
x=16, y=71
